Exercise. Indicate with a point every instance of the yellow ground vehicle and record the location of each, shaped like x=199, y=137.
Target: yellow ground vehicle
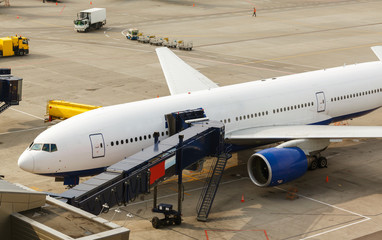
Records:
x=15, y=45
x=58, y=109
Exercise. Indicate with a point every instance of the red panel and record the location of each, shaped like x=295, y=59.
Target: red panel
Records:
x=157, y=171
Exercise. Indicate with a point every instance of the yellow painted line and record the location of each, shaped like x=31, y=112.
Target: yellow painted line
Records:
x=193, y=178
x=36, y=188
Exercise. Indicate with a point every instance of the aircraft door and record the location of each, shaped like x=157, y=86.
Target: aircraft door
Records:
x=321, y=104
x=98, y=145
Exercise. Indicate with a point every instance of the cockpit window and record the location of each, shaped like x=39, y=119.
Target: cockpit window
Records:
x=53, y=147
x=36, y=147
x=45, y=147
x=31, y=145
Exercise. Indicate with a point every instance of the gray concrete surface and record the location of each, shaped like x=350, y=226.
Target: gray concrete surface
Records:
x=230, y=46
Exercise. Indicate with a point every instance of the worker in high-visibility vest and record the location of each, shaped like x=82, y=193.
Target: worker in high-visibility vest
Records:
x=254, y=12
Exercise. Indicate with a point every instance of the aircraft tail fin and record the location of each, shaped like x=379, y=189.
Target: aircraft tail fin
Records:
x=181, y=77
x=377, y=51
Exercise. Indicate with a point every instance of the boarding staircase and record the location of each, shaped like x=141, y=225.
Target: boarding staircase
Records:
x=4, y=107
x=213, y=180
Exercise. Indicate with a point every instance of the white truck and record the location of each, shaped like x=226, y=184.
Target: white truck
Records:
x=93, y=18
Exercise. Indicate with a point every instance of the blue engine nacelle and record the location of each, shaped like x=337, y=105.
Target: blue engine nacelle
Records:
x=275, y=166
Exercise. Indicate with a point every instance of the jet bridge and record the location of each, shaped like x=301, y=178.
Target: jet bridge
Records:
x=10, y=89
x=122, y=182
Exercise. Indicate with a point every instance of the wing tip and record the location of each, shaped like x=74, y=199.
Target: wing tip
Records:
x=377, y=51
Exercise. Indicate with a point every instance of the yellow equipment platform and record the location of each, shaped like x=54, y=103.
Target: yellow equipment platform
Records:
x=58, y=109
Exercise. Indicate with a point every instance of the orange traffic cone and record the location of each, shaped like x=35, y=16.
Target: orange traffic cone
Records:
x=242, y=198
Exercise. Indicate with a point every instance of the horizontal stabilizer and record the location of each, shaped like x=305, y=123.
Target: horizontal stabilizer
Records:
x=307, y=132
x=181, y=77
x=377, y=51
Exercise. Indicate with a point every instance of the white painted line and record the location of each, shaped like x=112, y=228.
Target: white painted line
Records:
x=335, y=229
x=110, y=46
x=269, y=65
x=107, y=35
x=117, y=39
x=329, y=205
x=24, y=130
x=26, y=113
x=292, y=68
x=123, y=32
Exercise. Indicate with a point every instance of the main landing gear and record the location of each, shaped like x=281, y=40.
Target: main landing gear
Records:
x=318, y=162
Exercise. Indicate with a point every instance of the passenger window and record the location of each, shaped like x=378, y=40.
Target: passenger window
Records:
x=136, y=139
x=127, y=141
x=112, y=143
x=53, y=147
x=131, y=140
x=36, y=147
x=56, y=147
x=45, y=147
x=116, y=142
x=121, y=141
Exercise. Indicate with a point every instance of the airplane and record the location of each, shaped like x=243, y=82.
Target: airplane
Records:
x=295, y=110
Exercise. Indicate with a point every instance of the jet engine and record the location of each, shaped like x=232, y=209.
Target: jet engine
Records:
x=275, y=166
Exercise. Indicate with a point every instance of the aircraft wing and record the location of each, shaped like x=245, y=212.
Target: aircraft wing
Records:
x=181, y=77
x=307, y=132
x=377, y=51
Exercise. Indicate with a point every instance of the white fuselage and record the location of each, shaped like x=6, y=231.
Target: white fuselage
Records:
x=94, y=139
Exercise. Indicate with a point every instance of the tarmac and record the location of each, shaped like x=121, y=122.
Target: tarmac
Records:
x=230, y=46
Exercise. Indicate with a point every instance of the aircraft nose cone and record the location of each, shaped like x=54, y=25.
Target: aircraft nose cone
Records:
x=26, y=161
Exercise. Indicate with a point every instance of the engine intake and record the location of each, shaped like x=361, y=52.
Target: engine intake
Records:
x=275, y=166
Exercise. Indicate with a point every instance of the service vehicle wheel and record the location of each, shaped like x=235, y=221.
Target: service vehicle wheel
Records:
x=177, y=220
x=155, y=222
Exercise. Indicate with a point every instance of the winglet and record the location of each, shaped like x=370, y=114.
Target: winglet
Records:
x=181, y=77
x=377, y=51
